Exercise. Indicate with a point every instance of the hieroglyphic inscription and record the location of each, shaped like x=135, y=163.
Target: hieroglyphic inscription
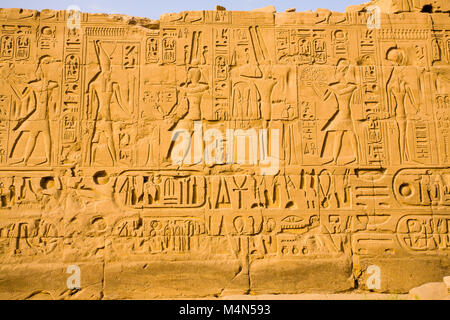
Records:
x=243, y=136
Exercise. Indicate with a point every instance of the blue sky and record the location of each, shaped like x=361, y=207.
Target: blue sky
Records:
x=154, y=8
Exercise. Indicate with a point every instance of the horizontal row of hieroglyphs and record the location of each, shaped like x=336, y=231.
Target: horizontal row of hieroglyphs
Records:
x=112, y=94
x=309, y=190
x=254, y=234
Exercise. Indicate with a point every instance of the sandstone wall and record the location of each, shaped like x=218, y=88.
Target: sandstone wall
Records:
x=320, y=146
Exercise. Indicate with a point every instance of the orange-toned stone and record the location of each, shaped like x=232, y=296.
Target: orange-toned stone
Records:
x=214, y=153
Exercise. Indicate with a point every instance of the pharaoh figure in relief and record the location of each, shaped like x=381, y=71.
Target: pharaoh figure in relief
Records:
x=342, y=121
x=33, y=113
x=224, y=152
x=101, y=90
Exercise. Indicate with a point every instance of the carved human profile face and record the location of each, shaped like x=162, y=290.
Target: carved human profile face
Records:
x=44, y=67
x=342, y=69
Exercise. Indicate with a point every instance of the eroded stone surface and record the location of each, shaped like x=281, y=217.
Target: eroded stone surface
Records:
x=319, y=151
x=430, y=291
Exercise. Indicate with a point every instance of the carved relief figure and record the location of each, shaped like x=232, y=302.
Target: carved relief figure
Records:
x=341, y=122
x=189, y=109
x=193, y=90
x=245, y=96
x=399, y=92
x=101, y=91
x=34, y=119
x=265, y=87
